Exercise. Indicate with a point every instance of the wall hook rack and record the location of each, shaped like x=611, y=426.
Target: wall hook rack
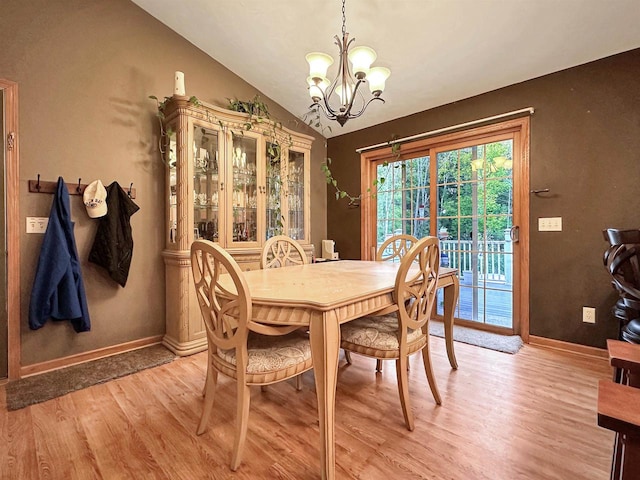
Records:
x=37, y=186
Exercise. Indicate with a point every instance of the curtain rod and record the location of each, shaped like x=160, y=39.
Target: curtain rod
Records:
x=529, y=110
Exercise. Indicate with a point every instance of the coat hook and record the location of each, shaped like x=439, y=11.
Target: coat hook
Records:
x=38, y=184
x=78, y=189
x=130, y=188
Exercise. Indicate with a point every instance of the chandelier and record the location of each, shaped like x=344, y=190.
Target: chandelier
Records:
x=491, y=164
x=349, y=101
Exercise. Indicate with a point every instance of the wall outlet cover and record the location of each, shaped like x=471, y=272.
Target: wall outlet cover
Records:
x=588, y=315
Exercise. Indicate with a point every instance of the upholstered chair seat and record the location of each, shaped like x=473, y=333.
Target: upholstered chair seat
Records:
x=271, y=357
x=379, y=333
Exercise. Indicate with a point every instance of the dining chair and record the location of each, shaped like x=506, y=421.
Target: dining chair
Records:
x=391, y=250
x=406, y=331
x=250, y=353
x=282, y=251
x=395, y=247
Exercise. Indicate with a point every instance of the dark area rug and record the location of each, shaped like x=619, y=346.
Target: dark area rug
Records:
x=39, y=388
x=493, y=341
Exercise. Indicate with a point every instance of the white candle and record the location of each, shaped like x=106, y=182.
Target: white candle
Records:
x=178, y=88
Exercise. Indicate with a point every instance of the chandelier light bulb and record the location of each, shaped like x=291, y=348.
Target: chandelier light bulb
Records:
x=477, y=164
x=377, y=77
x=499, y=161
x=361, y=59
x=317, y=87
x=344, y=95
x=319, y=63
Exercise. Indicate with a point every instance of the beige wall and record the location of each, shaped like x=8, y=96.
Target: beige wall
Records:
x=85, y=69
x=585, y=147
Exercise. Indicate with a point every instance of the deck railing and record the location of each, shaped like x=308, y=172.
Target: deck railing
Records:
x=492, y=257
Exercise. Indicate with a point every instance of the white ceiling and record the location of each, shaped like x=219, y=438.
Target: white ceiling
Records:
x=439, y=51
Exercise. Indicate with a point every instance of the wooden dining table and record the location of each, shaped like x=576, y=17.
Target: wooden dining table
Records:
x=321, y=296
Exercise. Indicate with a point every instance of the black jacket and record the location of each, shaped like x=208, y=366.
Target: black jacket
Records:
x=113, y=245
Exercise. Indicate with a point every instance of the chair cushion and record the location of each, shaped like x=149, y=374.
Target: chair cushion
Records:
x=379, y=332
x=272, y=353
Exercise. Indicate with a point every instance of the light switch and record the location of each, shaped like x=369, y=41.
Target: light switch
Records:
x=37, y=224
x=550, y=224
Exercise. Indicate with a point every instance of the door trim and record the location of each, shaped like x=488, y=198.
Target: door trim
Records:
x=12, y=209
x=520, y=129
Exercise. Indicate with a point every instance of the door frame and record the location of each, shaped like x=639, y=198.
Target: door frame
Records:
x=519, y=127
x=12, y=210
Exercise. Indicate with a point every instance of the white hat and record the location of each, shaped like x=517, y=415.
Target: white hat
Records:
x=95, y=196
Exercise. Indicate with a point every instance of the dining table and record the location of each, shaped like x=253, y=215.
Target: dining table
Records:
x=321, y=296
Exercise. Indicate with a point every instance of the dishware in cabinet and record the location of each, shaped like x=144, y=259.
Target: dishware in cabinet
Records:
x=297, y=195
x=287, y=192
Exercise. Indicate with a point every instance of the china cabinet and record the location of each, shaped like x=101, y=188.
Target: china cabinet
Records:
x=233, y=181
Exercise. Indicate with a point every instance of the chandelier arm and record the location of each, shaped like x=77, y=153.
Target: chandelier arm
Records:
x=356, y=115
x=347, y=112
x=329, y=114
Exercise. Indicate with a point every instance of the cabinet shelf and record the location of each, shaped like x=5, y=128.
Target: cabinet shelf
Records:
x=205, y=207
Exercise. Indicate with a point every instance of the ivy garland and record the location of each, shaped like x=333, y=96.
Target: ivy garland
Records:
x=258, y=113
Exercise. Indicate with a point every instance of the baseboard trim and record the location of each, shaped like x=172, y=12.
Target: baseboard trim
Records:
x=49, y=365
x=568, y=347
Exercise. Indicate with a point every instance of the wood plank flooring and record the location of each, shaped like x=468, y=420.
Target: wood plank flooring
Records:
x=504, y=417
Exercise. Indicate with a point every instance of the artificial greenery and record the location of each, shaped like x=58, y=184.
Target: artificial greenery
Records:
x=354, y=200
x=314, y=119
x=258, y=114
x=161, y=105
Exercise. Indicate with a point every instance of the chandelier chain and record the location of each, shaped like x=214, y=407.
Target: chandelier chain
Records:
x=344, y=19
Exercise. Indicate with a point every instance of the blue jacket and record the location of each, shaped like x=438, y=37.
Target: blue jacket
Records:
x=58, y=290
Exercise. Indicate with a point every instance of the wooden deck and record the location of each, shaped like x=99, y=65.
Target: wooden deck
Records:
x=495, y=304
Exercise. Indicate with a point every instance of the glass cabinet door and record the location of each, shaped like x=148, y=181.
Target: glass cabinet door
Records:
x=171, y=158
x=295, y=195
x=244, y=191
x=273, y=191
x=206, y=170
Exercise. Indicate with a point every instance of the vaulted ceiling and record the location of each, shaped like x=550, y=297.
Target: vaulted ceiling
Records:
x=439, y=51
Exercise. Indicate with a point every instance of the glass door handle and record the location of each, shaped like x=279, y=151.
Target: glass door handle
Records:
x=514, y=234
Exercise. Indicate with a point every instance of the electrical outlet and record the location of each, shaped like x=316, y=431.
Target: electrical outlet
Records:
x=588, y=315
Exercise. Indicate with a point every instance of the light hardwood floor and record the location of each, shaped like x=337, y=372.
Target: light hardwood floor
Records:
x=504, y=417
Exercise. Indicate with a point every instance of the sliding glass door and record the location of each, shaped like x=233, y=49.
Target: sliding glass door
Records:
x=474, y=220
x=468, y=193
